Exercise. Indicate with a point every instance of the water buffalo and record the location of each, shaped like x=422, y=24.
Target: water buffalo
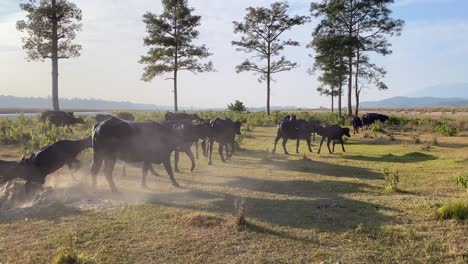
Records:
x=357, y=124
x=180, y=116
x=370, y=118
x=60, y=118
x=148, y=142
x=298, y=129
x=102, y=117
x=48, y=160
x=224, y=132
x=333, y=132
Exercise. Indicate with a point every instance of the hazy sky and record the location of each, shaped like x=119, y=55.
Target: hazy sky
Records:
x=432, y=50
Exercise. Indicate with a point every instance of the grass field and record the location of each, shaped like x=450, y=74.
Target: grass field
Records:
x=302, y=208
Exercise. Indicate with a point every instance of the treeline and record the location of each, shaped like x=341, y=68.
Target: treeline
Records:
x=348, y=32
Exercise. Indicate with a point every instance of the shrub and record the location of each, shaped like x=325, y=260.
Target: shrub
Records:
x=237, y=106
x=377, y=127
x=446, y=129
x=461, y=180
x=454, y=209
x=391, y=179
x=69, y=255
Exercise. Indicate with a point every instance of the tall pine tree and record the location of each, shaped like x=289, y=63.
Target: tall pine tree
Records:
x=170, y=38
x=51, y=26
x=260, y=34
x=367, y=25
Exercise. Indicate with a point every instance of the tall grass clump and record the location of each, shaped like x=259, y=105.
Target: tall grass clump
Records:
x=391, y=180
x=454, y=209
x=69, y=255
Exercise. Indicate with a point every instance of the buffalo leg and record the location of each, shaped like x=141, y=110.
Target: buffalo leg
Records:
x=176, y=161
x=297, y=146
x=210, y=151
x=220, y=150
x=204, y=149
x=342, y=145
x=233, y=149
x=95, y=167
x=192, y=159
x=328, y=146
x=196, y=148
x=334, y=143
x=285, y=140
x=151, y=169
x=308, y=144
x=144, y=173
x=108, y=169
x=276, y=142
x=321, y=143
x=167, y=166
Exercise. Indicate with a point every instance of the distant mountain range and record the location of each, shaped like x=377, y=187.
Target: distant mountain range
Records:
x=400, y=102
x=75, y=103
x=25, y=104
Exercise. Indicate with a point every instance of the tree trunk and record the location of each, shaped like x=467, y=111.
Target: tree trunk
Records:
x=332, y=102
x=340, y=87
x=176, y=60
x=356, y=85
x=350, y=85
x=268, y=80
x=55, y=96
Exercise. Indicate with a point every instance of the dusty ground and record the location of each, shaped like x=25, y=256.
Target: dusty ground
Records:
x=302, y=208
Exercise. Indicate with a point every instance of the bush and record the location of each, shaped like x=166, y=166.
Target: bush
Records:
x=454, y=209
x=377, y=127
x=237, y=106
x=69, y=255
x=461, y=180
x=392, y=179
x=446, y=129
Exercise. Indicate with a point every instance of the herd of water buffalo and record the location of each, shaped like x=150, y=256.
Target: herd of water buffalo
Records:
x=121, y=138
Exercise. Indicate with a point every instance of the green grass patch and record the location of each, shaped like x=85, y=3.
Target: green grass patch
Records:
x=454, y=209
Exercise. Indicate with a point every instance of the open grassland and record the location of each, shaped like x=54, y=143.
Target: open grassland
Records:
x=303, y=208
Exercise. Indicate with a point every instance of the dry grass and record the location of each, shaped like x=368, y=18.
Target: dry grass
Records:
x=323, y=208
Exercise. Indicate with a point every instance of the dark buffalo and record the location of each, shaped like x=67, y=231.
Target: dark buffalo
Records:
x=180, y=116
x=49, y=159
x=191, y=132
x=370, y=118
x=125, y=116
x=224, y=132
x=357, y=124
x=102, y=117
x=333, y=132
x=148, y=142
x=60, y=118
x=298, y=129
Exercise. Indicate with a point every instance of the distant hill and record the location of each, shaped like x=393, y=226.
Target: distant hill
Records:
x=400, y=102
x=37, y=103
x=455, y=90
x=75, y=103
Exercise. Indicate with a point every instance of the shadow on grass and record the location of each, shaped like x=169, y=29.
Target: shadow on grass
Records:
x=307, y=165
x=413, y=157
x=307, y=205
